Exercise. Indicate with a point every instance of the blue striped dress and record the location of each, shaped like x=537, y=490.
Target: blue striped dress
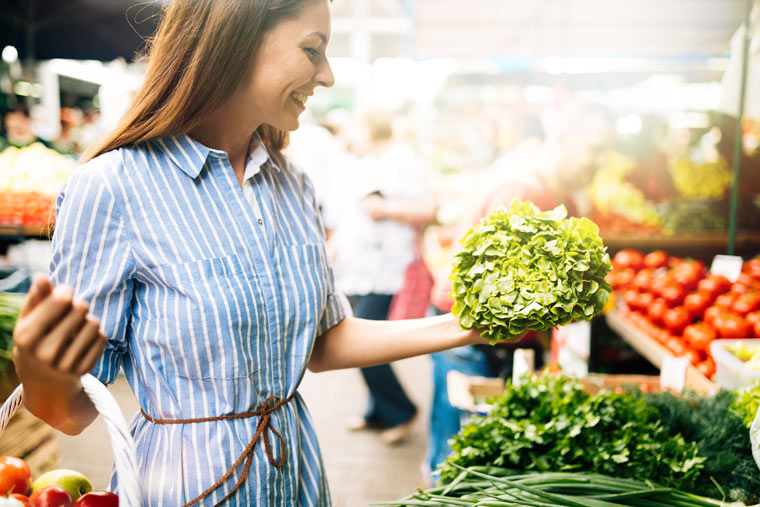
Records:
x=210, y=304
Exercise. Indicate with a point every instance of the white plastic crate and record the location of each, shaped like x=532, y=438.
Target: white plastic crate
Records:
x=730, y=371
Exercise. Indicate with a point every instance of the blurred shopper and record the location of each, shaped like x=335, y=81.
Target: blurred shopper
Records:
x=547, y=175
x=190, y=253
x=375, y=243
x=18, y=129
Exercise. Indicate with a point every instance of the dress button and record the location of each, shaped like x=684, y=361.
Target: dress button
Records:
x=261, y=222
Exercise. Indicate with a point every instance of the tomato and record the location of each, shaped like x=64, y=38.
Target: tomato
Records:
x=752, y=318
x=712, y=314
x=692, y=356
x=15, y=475
x=644, y=300
x=628, y=258
x=699, y=336
x=706, y=368
x=752, y=268
x=673, y=294
x=756, y=328
x=738, y=288
x=676, y=346
x=686, y=278
x=696, y=303
x=732, y=326
x=656, y=311
x=714, y=285
x=674, y=261
x=676, y=319
x=625, y=277
x=725, y=301
x=656, y=259
x=746, y=303
x=643, y=280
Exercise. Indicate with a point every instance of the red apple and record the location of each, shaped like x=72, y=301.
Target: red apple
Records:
x=51, y=496
x=98, y=499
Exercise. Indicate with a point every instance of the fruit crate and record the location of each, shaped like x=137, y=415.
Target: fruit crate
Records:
x=732, y=372
x=32, y=440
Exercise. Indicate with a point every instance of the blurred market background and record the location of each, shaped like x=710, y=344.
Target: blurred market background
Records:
x=657, y=102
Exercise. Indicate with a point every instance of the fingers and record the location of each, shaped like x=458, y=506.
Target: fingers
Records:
x=92, y=354
x=32, y=327
x=40, y=289
x=58, y=339
x=85, y=339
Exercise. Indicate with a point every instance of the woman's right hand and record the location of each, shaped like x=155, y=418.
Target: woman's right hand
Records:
x=55, y=339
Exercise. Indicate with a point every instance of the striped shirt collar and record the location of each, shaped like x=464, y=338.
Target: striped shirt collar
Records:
x=191, y=155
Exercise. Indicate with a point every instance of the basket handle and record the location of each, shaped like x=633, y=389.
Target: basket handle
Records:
x=125, y=456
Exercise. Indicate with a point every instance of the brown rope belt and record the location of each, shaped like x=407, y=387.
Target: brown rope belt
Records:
x=270, y=405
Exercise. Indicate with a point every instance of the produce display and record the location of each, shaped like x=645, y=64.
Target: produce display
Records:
x=522, y=268
x=551, y=430
x=58, y=488
x=683, y=306
x=30, y=179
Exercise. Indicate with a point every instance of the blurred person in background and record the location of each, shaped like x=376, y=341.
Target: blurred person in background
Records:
x=374, y=244
x=547, y=174
x=18, y=128
x=68, y=140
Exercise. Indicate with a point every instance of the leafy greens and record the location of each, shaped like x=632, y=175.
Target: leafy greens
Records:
x=522, y=268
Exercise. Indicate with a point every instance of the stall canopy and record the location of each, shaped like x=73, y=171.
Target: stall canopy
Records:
x=78, y=29
x=644, y=28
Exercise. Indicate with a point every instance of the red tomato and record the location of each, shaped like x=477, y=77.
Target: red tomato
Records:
x=51, y=496
x=699, y=336
x=711, y=314
x=706, y=368
x=643, y=280
x=714, y=285
x=756, y=328
x=686, y=278
x=752, y=318
x=746, y=303
x=23, y=499
x=625, y=277
x=97, y=499
x=725, y=301
x=674, y=261
x=738, y=288
x=676, y=319
x=656, y=311
x=15, y=475
x=692, y=356
x=676, y=346
x=630, y=298
x=732, y=326
x=628, y=258
x=656, y=259
x=644, y=300
x=673, y=294
x=696, y=303
x=752, y=267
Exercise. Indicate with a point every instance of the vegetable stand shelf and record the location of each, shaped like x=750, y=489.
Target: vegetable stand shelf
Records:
x=699, y=246
x=655, y=352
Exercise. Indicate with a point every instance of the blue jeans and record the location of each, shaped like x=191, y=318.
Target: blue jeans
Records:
x=388, y=404
x=444, y=419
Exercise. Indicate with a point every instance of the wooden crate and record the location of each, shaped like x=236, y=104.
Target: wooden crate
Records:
x=32, y=440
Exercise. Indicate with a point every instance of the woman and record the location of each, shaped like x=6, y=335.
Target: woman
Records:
x=189, y=253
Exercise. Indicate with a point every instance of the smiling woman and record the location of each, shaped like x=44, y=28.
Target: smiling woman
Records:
x=191, y=255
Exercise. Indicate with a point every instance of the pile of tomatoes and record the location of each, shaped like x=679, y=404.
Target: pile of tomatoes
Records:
x=685, y=307
x=29, y=209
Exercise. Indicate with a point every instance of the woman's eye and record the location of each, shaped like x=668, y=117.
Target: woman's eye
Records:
x=311, y=51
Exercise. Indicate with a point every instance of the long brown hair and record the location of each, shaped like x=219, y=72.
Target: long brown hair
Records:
x=198, y=57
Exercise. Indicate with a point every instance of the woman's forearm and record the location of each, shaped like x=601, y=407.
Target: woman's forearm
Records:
x=359, y=342
x=63, y=405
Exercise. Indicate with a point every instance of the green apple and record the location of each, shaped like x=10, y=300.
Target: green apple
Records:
x=73, y=482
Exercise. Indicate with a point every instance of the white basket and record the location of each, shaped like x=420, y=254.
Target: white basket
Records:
x=125, y=456
x=730, y=371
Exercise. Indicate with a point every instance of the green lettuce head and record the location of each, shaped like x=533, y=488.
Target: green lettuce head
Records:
x=526, y=269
